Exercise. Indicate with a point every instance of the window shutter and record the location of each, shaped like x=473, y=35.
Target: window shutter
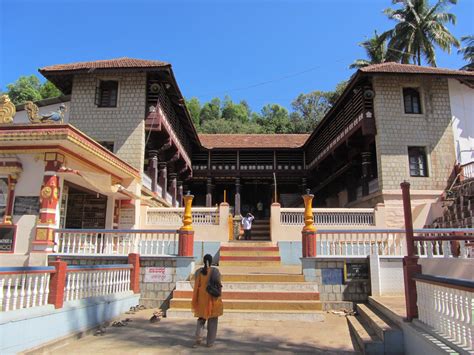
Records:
x=97, y=95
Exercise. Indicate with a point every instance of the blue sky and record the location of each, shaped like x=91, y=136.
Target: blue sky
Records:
x=215, y=47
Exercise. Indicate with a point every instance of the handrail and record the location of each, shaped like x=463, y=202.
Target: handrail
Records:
x=460, y=284
x=116, y=230
x=99, y=267
x=27, y=270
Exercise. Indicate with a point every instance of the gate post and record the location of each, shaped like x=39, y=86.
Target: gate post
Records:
x=309, y=230
x=186, y=232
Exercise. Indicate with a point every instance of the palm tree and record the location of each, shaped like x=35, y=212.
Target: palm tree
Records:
x=468, y=52
x=420, y=27
x=376, y=50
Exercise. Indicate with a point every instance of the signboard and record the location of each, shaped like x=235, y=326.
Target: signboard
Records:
x=26, y=205
x=7, y=238
x=126, y=218
x=158, y=274
x=357, y=271
x=332, y=276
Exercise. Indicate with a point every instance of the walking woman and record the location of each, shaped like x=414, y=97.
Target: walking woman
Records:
x=207, y=302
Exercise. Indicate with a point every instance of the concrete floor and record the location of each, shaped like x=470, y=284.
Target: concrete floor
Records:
x=173, y=336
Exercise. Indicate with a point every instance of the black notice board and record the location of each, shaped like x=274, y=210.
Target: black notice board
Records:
x=7, y=238
x=26, y=205
x=357, y=271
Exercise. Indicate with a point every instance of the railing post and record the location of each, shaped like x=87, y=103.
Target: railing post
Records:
x=309, y=230
x=410, y=261
x=57, y=284
x=186, y=232
x=134, y=259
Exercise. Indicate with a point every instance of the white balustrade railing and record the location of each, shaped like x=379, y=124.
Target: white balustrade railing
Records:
x=96, y=280
x=361, y=243
x=444, y=243
x=468, y=170
x=330, y=216
x=447, y=309
x=148, y=242
x=162, y=216
x=24, y=287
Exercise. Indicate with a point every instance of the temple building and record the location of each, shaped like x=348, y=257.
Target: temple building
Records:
x=121, y=141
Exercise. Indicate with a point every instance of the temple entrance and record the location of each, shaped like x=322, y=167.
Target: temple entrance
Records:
x=255, y=194
x=82, y=209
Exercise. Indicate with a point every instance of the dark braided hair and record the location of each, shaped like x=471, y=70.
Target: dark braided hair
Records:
x=207, y=263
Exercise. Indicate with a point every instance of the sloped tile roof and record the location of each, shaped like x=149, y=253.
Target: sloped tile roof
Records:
x=392, y=67
x=211, y=141
x=106, y=64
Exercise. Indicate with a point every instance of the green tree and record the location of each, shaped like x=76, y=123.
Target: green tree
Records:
x=274, y=119
x=232, y=111
x=420, y=27
x=48, y=89
x=210, y=111
x=26, y=88
x=468, y=52
x=376, y=51
x=194, y=108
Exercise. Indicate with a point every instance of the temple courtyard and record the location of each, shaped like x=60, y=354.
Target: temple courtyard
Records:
x=176, y=336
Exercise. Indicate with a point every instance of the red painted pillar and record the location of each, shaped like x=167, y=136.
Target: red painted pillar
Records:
x=186, y=243
x=410, y=262
x=57, y=283
x=49, y=197
x=309, y=244
x=134, y=259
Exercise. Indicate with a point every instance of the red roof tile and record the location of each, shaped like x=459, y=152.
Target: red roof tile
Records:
x=392, y=67
x=106, y=64
x=211, y=141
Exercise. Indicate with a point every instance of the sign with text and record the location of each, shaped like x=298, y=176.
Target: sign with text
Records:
x=158, y=274
x=357, y=271
x=7, y=238
x=25, y=205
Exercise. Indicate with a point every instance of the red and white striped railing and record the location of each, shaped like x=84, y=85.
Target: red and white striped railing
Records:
x=96, y=280
x=24, y=287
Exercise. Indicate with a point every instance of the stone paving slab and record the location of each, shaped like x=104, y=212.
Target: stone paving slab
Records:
x=176, y=336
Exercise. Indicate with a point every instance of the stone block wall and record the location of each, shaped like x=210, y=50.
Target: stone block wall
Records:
x=397, y=130
x=336, y=296
x=157, y=294
x=124, y=124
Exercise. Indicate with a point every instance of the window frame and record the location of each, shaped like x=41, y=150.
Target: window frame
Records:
x=410, y=91
x=99, y=90
x=424, y=163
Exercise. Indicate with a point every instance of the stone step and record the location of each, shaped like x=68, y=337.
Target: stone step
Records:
x=231, y=314
x=248, y=243
x=239, y=247
x=259, y=305
x=257, y=286
x=259, y=263
x=365, y=338
x=256, y=295
x=390, y=334
x=249, y=252
x=262, y=278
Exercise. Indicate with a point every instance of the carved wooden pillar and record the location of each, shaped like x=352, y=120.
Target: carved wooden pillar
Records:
x=237, y=197
x=209, y=193
x=173, y=187
x=366, y=171
x=179, y=194
x=49, y=196
x=153, y=169
x=163, y=179
x=12, y=180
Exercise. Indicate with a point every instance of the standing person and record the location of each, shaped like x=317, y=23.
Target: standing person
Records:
x=247, y=224
x=204, y=305
x=260, y=209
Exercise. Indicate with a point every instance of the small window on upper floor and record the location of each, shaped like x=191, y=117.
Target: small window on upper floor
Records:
x=106, y=93
x=411, y=100
x=107, y=145
x=417, y=161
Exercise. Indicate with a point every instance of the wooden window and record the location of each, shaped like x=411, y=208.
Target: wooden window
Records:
x=417, y=161
x=411, y=100
x=106, y=93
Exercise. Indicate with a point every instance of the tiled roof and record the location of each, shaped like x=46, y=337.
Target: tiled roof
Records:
x=211, y=141
x=106, y=64
x=392, y=67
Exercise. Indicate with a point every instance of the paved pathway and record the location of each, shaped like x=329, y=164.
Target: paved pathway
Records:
x=172, y=336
